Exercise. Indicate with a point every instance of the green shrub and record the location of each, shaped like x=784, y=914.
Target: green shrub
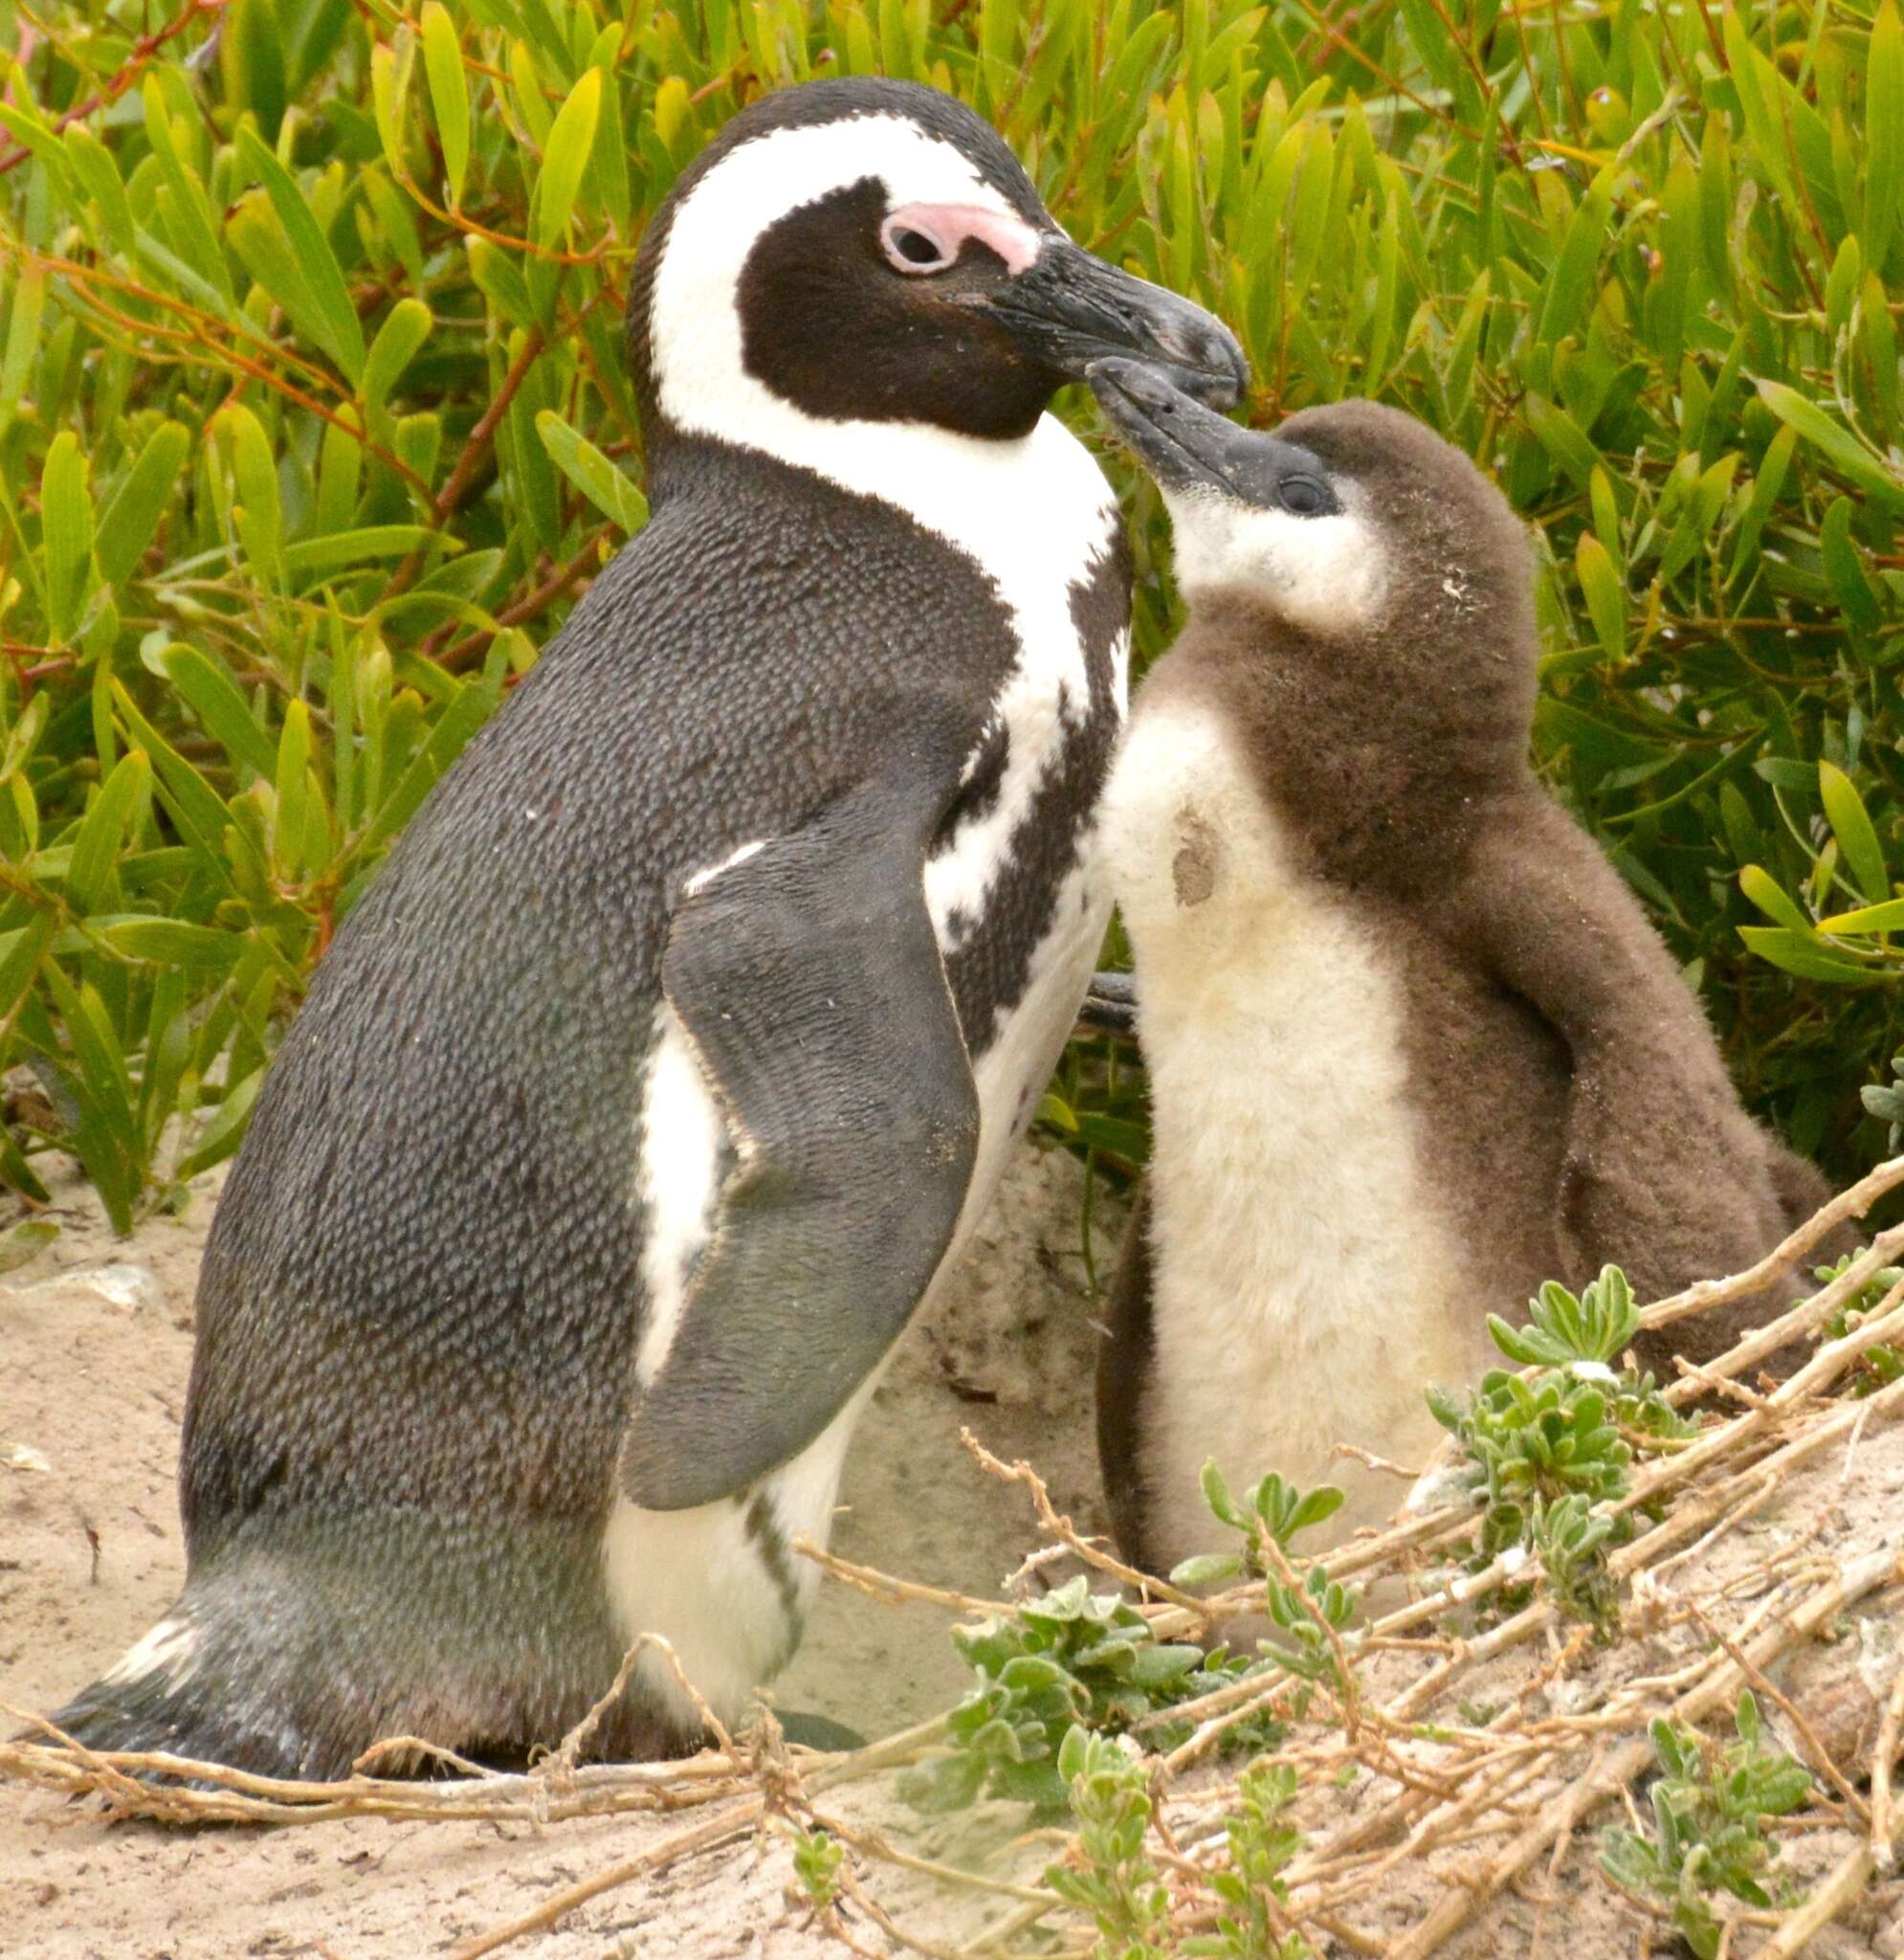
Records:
x=1708, y=1809
x=314, y=422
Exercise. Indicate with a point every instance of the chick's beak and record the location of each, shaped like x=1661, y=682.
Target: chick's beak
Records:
x=1180, y=442
x=1070, y=311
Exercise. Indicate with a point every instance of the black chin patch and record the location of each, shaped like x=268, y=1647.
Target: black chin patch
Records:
x=828, y=325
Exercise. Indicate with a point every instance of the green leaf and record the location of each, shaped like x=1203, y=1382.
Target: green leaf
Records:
x=1759, y=89
x=1605, y=593
x=172, y=943
x=226, y=1131
x=1216, y=1494
x=23, y=737
x=1840, y=447
x=222, y=708
x=21, y=953
x=66, y=518
x=498, y=278
x=1207, y=1569
x=90, y=880
x=26, y=1241
x=359, y=547
x=1803, y=956
x=27, y=301
x=335, y=324
x=190, y=801
x=1770, y=897
x=131, y=517
x=460, y=721
x=106, y=1135
x=1845, y=571
x=1887, y=917
x=566, y=158
x=190, y=210
x=449, y=95
x=93, y=165
x=399, y=340
x=1571, y=288
x=390, y=63
x=259, y=513
x=1884, y=134
x=293, y=773
x=611, y=492
x=250, y=55
x=1765, y=488
x=1850, y=824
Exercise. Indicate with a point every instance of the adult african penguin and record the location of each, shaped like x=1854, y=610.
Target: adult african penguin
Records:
x=670, y=1059
x=1413, y=1047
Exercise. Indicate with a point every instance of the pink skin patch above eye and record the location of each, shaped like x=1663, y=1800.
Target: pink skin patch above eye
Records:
x=949, y=225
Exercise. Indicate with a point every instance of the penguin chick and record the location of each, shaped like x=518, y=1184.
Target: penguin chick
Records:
x=1413, y=1047
x=671, y=1058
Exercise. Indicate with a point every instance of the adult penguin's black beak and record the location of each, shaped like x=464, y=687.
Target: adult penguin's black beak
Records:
x=1069, y=311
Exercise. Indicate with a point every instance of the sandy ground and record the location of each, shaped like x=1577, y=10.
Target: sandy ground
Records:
x=94, y=1342
x=94, y=1348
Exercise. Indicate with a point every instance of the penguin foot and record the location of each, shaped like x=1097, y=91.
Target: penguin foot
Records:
x=164, y=1698
x=286, y=1671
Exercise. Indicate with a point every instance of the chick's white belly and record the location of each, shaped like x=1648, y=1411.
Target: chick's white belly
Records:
x=1306, y=1288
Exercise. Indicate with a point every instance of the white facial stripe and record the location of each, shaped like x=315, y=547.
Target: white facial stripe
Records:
x=694, y=326
x=678, y=1152
x=1325, y=573
x=1033, y=512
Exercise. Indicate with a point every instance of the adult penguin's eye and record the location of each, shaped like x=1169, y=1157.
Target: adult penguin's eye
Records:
x=913, y=250
x=1304, y=496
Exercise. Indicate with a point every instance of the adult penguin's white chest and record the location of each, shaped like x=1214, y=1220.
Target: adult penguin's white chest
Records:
x=1040, y=522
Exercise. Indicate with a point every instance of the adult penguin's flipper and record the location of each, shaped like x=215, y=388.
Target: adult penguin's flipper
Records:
x=808, y=979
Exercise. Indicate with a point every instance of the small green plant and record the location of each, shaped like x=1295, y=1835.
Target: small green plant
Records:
x=1572, y=1540
x=1270, y=1508
x=24, y=1242
x=1564, y=1331
x=1544, y=1452
x=1310, y=1613
x=1071, y=1657
x=816, y=1864
x=1708, y=1806
x=1113, y=1879
x=1877, y=1368
x=1885, y=1101
x=1271, y=1511
x=1251, y=1888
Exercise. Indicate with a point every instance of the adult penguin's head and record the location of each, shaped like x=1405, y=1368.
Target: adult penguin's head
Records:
x=861, y=251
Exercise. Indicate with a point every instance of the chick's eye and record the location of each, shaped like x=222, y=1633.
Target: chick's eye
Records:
x=1302, y=494
x=910, y=250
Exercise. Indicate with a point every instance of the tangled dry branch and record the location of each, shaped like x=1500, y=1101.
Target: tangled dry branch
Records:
x=1476, y=1752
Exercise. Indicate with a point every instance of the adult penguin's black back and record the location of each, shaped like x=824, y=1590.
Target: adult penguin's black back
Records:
x=656, y=1078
